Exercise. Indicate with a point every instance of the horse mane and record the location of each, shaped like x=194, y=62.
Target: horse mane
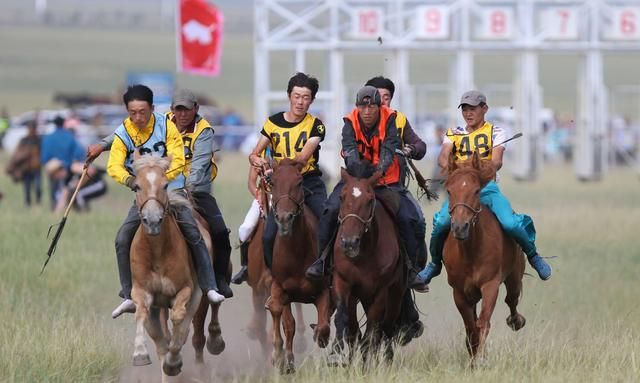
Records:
x=485, y=171
x=361, y=169
x=151, y=161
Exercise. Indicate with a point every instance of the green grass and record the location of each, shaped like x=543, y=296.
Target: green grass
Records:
x=582, y=325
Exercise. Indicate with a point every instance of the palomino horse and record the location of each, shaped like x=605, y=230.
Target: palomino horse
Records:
x=368, y=265
x=163, y=273
x=478, y=255
x=295, y=249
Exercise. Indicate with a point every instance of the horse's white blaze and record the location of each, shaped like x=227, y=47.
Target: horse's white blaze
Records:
x=464, y=183
x=356, y=192
x=151, y=177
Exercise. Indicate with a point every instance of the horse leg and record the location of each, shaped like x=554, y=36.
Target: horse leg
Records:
x=215, y=343
x=184, y=307
x=489, y=297
x=258, y=323
x=198, y=338
x=140, y=352
x=513, y=283
x=274, y=305
x=468, y=312
x=154, y=328
x=301, y=341
x=375, y=320
x=322, y=332
x=344, y=321
x=289, y=325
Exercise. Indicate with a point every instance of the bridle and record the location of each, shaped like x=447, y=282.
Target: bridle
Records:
x=365, y=222
x=299, y=204
x=475, y=211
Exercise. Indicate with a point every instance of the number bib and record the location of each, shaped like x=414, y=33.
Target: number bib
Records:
x=480, y=140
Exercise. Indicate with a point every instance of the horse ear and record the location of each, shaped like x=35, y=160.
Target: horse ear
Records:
x=452, y=165
x=344, y=173
x=375, y=177
x=475, y=160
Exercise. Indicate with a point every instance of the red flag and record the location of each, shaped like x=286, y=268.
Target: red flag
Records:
x=199, y=35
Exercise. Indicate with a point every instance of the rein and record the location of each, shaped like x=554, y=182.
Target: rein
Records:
x=366, y=223
x=164, y=206
x=299, y=204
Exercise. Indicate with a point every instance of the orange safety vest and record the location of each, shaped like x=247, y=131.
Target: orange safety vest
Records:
x=370, y=150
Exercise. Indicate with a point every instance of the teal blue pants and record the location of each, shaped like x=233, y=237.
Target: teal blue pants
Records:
x=519, y=226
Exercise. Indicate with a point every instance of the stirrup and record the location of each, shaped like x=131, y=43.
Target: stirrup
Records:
x=313, y=272
x=240, y=276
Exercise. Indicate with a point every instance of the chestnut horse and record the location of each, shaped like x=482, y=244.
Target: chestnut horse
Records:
x=259, y=278
x=368, y=266
x=164, y=276
x=295, y=248
x=478, y=255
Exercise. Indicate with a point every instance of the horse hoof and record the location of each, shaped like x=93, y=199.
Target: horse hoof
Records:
x=141, y=360
x=516, y=322
x=215, y=345
x=172, y=370
x=288, y=369
x=199, y=357
x=335, y=360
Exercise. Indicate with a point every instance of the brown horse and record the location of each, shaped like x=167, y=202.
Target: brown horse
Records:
x=368, y=266
x=478, y=255
x=294, y=251
x=164, y=277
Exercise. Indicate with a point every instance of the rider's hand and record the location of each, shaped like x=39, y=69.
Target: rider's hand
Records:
x=131, y=182
x=257, y=161
x=93, y=151
x=407, y=150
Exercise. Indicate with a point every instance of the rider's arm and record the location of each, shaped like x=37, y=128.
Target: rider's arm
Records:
x=200, y=172
x=496, y=157
x=445, y=151
x=115, y=164
x=389, y=145
x=252, y=181
x=315, y=137
x=418, y=147
x=175, y=149
x=107, y=141
x=254, y=157
x=349, y=144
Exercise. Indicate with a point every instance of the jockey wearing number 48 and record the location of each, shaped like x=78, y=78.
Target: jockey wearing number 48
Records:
x=479, y=135
x=151, y=133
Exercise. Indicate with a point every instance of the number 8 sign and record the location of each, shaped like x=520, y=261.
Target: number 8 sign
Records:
x=496, y=23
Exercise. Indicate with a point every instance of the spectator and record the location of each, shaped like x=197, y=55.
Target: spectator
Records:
x=61, y=146
x=25, y=164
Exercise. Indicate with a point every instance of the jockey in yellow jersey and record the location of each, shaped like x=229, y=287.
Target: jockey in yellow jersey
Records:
x=295, y=134
x=150, y=133
x=481, y=136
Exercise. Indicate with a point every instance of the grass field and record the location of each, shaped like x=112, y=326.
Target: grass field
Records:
x=582, y=325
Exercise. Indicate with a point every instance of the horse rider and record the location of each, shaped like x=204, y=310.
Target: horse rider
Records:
x=152, y=133
x=413, y=148
x=480, y=135
x=248, y=225
x=294, y=134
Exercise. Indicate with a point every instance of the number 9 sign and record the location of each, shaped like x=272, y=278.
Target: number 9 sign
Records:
x=432, y=22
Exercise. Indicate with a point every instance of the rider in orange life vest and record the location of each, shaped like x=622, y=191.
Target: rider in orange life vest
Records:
x=414, y=148
x=150, y=133
x=369, y=133
x=294, y=134
x=479, y=135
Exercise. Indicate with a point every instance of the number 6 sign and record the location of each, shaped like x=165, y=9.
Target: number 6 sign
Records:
x=625, y=23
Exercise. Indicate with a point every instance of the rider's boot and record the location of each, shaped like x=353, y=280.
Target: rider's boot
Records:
x=243, y=273
x=540, y=266
x=127, y=306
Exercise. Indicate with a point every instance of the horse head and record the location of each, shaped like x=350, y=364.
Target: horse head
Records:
x=151, y=184
x=358, y=202
x=288, y=194
x=463, y=185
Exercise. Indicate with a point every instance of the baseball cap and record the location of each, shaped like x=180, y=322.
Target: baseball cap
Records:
x=368, y=95
x=184, y=97
x=473, y=98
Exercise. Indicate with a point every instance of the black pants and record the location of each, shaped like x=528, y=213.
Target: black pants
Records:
x=208, y=208
x=315, y=193
x=32, y=180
